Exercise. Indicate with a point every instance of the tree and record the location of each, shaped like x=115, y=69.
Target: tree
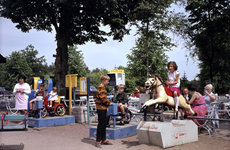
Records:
x=137, y=60
x=75, y=22
x=95, y=78
x=15, y=64
x=208, y=37
x=34, y=62
x=184, y=81
x=76, y=63
x=153, y=20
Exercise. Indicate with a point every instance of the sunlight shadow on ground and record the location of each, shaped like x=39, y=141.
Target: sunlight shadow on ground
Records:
x=130, y=143
x=89, y=141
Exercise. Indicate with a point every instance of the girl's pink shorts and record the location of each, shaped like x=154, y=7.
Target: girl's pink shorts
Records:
x=175, y=89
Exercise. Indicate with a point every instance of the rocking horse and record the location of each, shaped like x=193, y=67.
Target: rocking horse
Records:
x=156, y=82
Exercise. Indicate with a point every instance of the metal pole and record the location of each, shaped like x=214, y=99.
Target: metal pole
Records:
x=74, y=97
x=88, y=108
x=203, y=118
x=70, y=95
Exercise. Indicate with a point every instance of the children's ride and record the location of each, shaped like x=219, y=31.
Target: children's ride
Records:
x=162, y=97
x=56, y=107
x=127, y=116
x=6, y=118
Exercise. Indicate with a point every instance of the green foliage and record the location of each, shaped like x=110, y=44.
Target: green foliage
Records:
x=15, y=64
x=75, y=22
x=76, y=63
x=34, y=62
x=208, y=29
x=137, y=61
x=184, y=81
x=95, y=78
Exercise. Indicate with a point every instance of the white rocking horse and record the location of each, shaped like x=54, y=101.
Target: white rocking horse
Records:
x=162, y=97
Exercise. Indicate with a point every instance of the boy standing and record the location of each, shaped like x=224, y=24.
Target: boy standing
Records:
x=102, y=103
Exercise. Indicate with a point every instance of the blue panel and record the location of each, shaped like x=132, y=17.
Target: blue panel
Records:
x=112, y=110
x=31, y=96
x=88, y=85
x=50, y=85
x=39, y=104
x=112, y=81
x=39, y=82
x=48, y=122
x=114, y=134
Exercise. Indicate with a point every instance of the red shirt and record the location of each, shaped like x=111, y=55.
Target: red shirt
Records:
x=135, y=94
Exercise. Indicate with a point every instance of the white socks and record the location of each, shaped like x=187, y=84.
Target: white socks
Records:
x=176, y=103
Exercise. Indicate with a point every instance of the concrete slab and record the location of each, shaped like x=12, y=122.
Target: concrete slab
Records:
x=118, y=133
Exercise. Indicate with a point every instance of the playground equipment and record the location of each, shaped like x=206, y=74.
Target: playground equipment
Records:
x=162, y=97
x=116, y=116
x=57, y=108
x=167, y=134
x=117, y=131
x=116, y=77
x=5, y=120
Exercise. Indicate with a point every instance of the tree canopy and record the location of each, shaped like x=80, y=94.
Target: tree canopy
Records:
x=75, y=22
x=209, y=32
x=137, y=60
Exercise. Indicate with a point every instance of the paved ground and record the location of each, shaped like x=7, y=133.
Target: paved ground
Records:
x=76, y=136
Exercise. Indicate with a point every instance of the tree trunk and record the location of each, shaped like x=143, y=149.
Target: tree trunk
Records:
x=147, y=51
x=61, y=63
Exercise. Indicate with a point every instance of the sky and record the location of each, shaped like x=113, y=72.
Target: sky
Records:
x=106, y=55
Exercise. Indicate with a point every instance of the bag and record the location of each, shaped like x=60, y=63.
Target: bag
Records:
x=168, y=91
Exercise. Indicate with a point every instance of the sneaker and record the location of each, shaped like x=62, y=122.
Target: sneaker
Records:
x=98, y=145
x=106, y=143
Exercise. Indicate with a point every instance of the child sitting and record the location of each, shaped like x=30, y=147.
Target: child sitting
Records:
x=121, y=99
x=40, y=95
x=53, y=96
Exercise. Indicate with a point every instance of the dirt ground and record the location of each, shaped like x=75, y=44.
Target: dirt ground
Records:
x=76, y=136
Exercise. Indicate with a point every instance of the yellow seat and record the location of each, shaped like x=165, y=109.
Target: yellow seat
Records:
x=58, y=100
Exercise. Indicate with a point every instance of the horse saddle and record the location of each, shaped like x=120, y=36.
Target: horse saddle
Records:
x=168, y=91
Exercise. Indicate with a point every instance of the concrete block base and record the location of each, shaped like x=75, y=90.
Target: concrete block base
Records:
x=167, y=134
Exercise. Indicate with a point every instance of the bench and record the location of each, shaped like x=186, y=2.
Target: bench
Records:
x=5, y=118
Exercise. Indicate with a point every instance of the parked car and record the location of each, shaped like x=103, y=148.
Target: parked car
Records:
x=5, y=92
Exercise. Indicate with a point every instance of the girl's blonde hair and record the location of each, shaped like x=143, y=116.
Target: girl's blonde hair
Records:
x=209, y=86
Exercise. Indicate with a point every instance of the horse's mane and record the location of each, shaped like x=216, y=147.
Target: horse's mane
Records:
x=156, y=75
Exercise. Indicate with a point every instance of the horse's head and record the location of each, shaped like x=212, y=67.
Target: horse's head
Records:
x=150, y=82
x=154, y=80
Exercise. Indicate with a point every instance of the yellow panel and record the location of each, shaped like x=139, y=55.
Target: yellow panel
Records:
x=116, y=71
x=58, y=100
x=36, y=82
x=83, y=86
x=73, y=78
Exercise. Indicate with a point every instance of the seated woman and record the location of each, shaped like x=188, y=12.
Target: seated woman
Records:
x=198, y=103
x=136, y=94
x=209, y=97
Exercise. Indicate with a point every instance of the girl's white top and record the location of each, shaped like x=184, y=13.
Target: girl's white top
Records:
x=21, y=99
x=172, y=78
x=53, y=96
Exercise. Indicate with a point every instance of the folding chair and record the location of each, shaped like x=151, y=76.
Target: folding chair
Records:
x=9, y=105
x=208, y=124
